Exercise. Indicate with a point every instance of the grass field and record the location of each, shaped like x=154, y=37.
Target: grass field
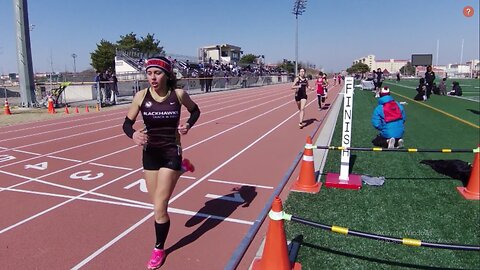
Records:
x=414, y=202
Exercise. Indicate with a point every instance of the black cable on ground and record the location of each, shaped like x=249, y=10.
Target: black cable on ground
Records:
x=404, y=241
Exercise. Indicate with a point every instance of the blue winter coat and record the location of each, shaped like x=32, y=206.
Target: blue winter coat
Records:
x=393, y=129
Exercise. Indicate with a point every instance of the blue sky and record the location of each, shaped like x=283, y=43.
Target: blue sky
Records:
x=332, y=33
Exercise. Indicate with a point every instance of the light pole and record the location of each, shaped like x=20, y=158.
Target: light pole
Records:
x=74, y=63
x=298, y=9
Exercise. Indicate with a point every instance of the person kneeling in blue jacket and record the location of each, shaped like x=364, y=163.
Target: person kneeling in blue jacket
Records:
x=389, y=118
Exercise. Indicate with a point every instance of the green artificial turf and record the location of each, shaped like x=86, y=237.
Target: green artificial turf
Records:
x=414, y=202
x=470, y=87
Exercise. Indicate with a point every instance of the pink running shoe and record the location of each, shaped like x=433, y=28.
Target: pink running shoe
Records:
x=158, y=256
x=187, y=166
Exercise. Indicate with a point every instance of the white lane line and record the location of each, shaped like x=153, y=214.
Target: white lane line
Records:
x=61, y=138
x=68, y=168
x=60, y=129
x=237, y=112
x=205, y=140
x=133, y=227
x=56, y=123
x=234, y=156
x=249, y=101
x=113, y=241
x=231, y=96
x=191, y=213
x=63, y=203
x=238, y=183
x=62, y=150
x=30, y=179
x=240, y=111
x=143, y=220
x=236, y=197
x=62, y=158
x=26, y=152
x=110, y=166
x=188, y=177
x=113, y=119
x=236, y=126
x=150, y=206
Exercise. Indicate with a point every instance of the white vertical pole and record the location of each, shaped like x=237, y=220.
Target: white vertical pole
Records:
x=346, y=128
x=461, y=52
x=436, y=58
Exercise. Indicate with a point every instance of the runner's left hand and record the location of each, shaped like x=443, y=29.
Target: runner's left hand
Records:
x=183, y=129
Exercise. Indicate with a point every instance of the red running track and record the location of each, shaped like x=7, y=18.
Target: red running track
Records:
x=73, y=197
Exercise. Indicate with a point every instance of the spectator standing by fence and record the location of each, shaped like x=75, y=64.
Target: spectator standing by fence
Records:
x=114, y=90
x=100, y=87
x=201, y=78
x=208, y=80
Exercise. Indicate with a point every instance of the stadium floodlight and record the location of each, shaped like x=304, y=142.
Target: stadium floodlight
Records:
x=74, y=56
x=298, y=9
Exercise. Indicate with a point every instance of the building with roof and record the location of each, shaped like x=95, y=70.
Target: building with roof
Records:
x=224, y=53
x=387, y=66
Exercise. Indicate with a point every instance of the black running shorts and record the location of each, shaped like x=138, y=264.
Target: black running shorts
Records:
x=155, y=158
x=300, y=95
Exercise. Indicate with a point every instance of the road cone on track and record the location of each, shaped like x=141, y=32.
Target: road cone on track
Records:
x=306, y=181
x=66, y=109
x=51, y=108
x=275, y=252
x=6, y=110
x=472, y=191
x=76, y=109
x=86, y=108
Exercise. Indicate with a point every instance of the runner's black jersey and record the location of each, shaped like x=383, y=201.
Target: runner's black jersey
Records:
x=161, y=119
x=303, y=85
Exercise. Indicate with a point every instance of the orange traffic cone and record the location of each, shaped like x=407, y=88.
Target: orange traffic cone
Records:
x=7, y=108
x=51, y=108
x=306, y=180
x=86, y=108
x=275, y=252
x=66, y=109
x=76, y=109
x=472, y=191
